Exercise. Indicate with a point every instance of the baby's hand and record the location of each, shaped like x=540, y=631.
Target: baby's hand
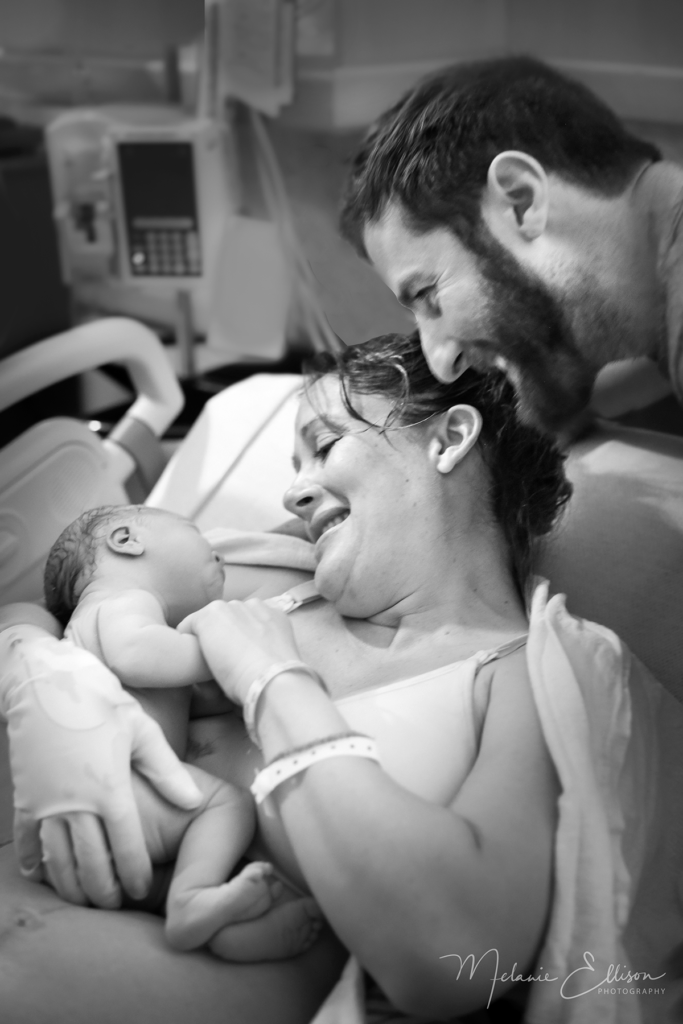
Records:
x=241, y=640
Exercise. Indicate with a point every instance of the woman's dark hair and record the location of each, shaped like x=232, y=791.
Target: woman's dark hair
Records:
x=528, y=486
x=432, y=150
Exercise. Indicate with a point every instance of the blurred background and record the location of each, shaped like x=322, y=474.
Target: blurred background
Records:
x=85, y=83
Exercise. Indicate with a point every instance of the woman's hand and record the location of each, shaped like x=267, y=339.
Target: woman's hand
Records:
x=241, y=640
x=73, y=732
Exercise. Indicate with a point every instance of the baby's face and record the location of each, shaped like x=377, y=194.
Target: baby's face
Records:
x=191, y=573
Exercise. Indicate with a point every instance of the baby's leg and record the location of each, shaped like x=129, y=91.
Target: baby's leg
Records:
x=290, y=927
x=200, y=900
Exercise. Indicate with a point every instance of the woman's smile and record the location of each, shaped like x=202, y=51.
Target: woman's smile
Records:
x=326, y=520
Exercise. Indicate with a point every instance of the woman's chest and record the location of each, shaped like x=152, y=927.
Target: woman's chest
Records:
x=353, y=656
x=426, y=728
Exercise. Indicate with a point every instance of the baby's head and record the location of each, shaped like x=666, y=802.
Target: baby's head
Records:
x=133, y=546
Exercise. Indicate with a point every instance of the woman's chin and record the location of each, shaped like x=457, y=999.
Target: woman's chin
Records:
x=328, y=582
x=337, y=587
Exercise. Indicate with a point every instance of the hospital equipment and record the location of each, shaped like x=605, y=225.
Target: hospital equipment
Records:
x=141, y=197
x=150, y=220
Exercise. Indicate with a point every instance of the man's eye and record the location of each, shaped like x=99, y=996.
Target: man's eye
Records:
x=323, y=450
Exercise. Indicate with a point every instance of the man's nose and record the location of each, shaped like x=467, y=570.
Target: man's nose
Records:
x=303, y=497
x=444, y=356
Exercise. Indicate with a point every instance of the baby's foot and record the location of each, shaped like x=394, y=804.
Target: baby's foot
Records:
x=192, y=918
x=249, y=894
x=286, y=930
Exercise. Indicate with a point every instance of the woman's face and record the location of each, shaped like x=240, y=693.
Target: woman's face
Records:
x=369, y=500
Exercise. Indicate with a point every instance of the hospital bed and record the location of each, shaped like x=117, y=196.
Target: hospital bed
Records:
x=618, y=554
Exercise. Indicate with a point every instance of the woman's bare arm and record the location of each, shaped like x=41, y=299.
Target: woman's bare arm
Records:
x=410, y=886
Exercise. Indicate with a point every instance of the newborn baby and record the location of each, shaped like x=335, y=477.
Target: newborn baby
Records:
x=121, y=578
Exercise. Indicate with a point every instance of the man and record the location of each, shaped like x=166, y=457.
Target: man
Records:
x=524, y=227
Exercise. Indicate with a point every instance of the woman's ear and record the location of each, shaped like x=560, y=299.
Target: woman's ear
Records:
x=457, y=431
x=123, y=541
x=516, y=196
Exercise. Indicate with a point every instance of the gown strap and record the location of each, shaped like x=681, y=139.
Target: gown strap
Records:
x=507, y=648
x=303, y=593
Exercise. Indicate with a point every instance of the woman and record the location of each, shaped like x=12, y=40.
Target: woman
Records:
x=423, y=500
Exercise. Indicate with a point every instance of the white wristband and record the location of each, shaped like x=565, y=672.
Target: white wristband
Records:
x=258, y=686
x=270, y=777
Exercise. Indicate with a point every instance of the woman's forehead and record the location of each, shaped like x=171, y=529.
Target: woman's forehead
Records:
x=323, y=401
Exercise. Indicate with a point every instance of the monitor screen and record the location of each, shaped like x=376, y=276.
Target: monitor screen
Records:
x=160, y=208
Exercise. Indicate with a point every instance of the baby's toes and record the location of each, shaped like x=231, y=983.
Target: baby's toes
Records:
x=301, y=923
x=256, y=871
x=252, y=890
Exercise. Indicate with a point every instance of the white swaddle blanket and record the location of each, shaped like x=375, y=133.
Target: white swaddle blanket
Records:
x=616, y=739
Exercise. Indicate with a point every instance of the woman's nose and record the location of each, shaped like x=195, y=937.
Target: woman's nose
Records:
x=303, y=497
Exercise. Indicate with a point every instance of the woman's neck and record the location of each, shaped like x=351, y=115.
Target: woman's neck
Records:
x=457, y=600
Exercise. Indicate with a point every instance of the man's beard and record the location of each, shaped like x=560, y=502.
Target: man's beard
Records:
x=531, y=339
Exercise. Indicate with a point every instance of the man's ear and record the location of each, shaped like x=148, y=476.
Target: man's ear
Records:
x=456, y=433
x=516, y=196
x=123, y=541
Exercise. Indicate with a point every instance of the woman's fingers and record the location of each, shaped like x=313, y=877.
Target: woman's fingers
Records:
x=241, y=640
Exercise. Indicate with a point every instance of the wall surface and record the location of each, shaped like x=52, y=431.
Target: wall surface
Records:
x=121, y=28
x=391, y=31
x=643, y=32
x=629, y=51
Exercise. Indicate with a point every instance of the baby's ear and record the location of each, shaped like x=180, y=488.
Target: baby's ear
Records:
x=123, y=541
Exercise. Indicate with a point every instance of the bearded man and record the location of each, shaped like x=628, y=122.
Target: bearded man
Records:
x=511, y=211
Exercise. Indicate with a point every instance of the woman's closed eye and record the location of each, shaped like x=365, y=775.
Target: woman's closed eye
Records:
x=323, y=449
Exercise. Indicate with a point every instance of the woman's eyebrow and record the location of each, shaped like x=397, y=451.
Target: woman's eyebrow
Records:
x=310, y=428
x=317, y=421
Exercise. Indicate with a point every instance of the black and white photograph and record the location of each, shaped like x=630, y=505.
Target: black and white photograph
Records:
x=341, y=511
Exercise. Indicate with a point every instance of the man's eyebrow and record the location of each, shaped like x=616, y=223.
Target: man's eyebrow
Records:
x=408, y=287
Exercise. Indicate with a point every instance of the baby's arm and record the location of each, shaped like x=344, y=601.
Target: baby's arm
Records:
x=141, y=649
x=201, y=903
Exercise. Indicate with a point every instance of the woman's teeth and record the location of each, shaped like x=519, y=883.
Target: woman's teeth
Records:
x=334, y=522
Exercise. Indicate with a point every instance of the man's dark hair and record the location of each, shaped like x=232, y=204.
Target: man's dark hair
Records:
x=432, y=150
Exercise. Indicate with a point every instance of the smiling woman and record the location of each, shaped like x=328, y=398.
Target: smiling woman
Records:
x=418, y=727
x=381, y=405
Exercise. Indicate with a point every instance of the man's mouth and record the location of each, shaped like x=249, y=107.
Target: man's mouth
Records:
x=327, y=521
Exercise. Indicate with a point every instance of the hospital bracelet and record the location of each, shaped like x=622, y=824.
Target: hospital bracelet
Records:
x=289, y=765
x=258, y=686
